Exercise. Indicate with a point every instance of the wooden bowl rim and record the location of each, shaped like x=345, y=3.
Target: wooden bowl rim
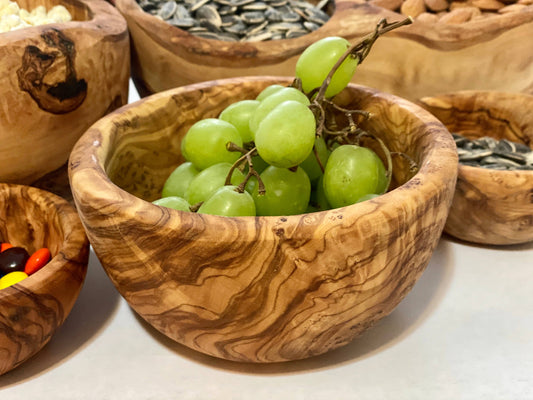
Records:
x=105, y=20
x=469, y=173
x=88, y=166
x=74, y=241
x=439, y=36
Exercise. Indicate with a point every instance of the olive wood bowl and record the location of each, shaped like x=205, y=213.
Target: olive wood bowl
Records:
x=418, y=60
x=489, y=207
x=57, y=80
x=32, y=310
x=258, y=289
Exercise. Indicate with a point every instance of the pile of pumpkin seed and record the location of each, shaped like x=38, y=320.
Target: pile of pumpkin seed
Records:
x=240, y=20
x=488, y=152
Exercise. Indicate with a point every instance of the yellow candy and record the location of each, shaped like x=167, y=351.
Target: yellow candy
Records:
x=12, y=278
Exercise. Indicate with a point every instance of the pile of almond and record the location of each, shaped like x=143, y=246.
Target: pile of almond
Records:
x=452, y=11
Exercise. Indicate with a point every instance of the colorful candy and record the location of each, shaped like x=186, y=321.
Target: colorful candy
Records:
x=37, y=260
x=17, y=264
x=12, y=278
x=13, y=259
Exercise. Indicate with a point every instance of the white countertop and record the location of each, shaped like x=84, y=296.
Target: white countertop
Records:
x=465, y=331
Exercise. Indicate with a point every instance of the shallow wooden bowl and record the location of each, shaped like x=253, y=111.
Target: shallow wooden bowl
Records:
x=418, y=60
x=258, y=289
x=489, y=207
x=57, y=80
x=32, y=310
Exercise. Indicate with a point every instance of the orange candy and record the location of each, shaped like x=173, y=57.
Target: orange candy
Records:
x=37, y=260
x=5, y=246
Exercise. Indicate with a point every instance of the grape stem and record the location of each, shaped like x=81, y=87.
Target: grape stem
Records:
x=360, y=50
x=247, y=156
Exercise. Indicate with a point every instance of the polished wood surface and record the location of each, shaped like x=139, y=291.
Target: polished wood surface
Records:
x=258, y=289
x=32, y=310
x=422, y=59
x=58, y=79
x=489, y=207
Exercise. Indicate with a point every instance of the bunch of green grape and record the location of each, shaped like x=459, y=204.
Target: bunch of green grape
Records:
x=263, y=156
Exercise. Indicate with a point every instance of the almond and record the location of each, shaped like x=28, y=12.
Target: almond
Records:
x=413, y=8
x=436, y=5
x=459, y=15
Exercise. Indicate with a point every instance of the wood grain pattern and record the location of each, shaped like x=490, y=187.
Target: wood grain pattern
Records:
x=418, y=60
x=257, y=289
x=58, y=80
x=33, y=309
x=489, y=207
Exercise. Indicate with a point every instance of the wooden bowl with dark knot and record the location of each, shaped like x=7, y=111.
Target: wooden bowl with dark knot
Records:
x=32, y=310
x=422, y=59
x=490, y=206
x=57, y=80
x=258, y=289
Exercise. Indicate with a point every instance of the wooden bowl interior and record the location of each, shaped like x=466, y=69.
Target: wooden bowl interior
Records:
x=141, y=167
x=30, y=224
x=475, y=114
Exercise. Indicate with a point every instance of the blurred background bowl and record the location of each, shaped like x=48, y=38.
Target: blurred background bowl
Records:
x=32, y=310
x=422, y=59
x=258, y=289
x=57, y=80
x=490, y=206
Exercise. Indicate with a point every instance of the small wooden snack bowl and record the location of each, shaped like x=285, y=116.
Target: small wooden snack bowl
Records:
x=421, y=59
x=489, y=207
x=32, y=310
x=257, y=289
x=58, y=79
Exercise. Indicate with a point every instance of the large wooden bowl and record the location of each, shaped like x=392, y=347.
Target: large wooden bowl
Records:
x=259, y=289
x=422, y=59
x=57, y=80
x=489, y=206
x=32, y=310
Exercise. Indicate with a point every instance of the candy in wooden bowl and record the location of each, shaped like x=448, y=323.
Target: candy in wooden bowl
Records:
x=257, y=289
x=492, y=207
x=58, y=78
x=489, y=51
x=33, y=309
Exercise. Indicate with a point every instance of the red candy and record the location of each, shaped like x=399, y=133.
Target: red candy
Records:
x=37, y=260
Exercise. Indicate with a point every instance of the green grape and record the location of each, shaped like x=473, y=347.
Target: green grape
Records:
x=286, y=135
x=227, y=201
x=318, y=200
x=205, y=143
x=175, y=202
x=351, y=173
x=310, y=164
x=272, y=101
x=317, y=60
x=238, y=114
x=367, y=197
x=178, y=181
x=209, y=180
x=268, y=91
x=287, y=192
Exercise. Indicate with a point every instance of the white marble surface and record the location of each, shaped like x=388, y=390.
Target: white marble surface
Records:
x=464, y=332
